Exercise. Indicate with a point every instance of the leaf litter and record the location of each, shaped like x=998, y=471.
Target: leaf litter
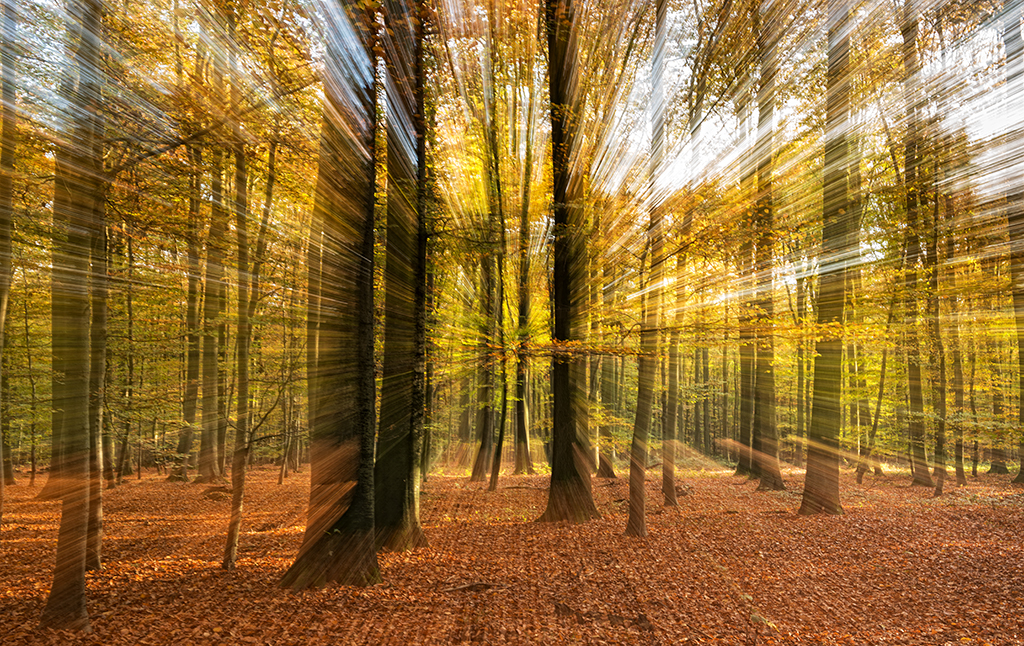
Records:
x=729, y=565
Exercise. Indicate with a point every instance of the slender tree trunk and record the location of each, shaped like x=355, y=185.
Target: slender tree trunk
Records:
x=957, y=356
x=801, y=368
x=867, y=454
x=911, y=70
x=213, y=306
x=97, y=387
x=609, y=388
x=938, y=353
x=189, y=398
x=746, y=466
x=764, y=406
x=244, y=313
x=34, y=402
x=636, y=524
x=8, y=138
x=524, y=462
x=485, y=390
x=670, y=438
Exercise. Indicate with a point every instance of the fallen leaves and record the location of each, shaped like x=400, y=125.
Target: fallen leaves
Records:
x=728, y=566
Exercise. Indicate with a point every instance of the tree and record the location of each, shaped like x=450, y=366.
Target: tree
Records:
x=9, y=124
x=79, y=175
x=636, y=524
x=244, y=335
x=767, y=455
x=821, y=486
x=1014, y=44
x=569, y=496
x=912, y=188
x=338, y=545
x=403, y=388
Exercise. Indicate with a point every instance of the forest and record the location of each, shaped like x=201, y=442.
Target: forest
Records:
x=353, y=291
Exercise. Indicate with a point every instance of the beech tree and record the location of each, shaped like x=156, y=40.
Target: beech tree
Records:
x=821, y=487
x=8, y=138
x=79, y=173
x=569, y=496
x=339, y=542
x=403, y=387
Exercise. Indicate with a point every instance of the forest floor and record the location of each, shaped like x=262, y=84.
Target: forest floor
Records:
x=730, y=565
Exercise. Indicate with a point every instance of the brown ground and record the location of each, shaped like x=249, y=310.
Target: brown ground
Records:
x=729, y=566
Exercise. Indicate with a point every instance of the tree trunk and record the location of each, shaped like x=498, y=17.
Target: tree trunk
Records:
x=213, y=306
x=400, y=436
x=189, y=398
x=609, y=388
x=764, y=222
x=99, y=290
x=746, y=465
x=911, y=70
x=938, y=352
x=244, y=313
x=339, y=541
x=569, y=497
x=1014, y=46
x=79, y=180
x=821, y=486
x=485, y=390
x=9, y=123
x=524, y=461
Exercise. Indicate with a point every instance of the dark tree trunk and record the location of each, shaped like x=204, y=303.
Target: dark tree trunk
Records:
x=189, y=398
x=609, y=389
x=801, y=369
x=636, y=524
x=338, y=545
x=246, y=277
x=97, y=386
x=485, y=390
x=821, y=486
x=669, y=436
x=746, y=465
x=957, y=356
x=912, y=188
x=1014, y=46
x=570, y=497
x=400, y=436
x=767, y=455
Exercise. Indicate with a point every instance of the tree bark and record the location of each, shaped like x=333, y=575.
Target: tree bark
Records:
x=79, y=180
x=821, y=486
x=191, y=393
x=911, y=70
x=1014, y=46
x=767, y=456
x=400, y=435
x=8, y=139
x=240, y=206
x=339, y=541
x=569, y=497
x=213, y=307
